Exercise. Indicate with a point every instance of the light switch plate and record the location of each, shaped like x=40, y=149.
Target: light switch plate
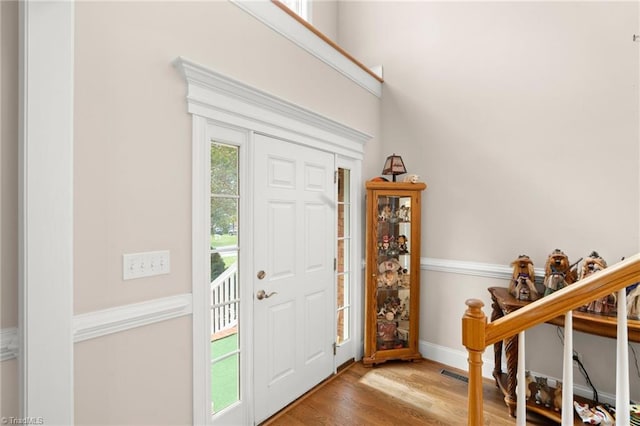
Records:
x=147, y=264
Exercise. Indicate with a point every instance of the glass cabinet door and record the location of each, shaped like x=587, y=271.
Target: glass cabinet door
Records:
x=393, y=272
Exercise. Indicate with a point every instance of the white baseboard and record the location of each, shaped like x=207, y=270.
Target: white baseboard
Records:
x=458, y=359
x=453, y=358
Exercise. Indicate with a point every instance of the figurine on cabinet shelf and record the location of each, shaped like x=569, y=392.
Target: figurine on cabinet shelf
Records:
x=543, y=394
x=412, y=178
x=388, y=335
x=633, y=301
x=603, y=305
x=557, y=396
x=389, y=273
x=522, y=285
x=558, y=272
x=528, y=379
x=385, y=213
x=390, y=306
x=402, y=244
x=384, y=245
x=387, y=331
x=404, y=214
x=388, y=247
x=404, y=310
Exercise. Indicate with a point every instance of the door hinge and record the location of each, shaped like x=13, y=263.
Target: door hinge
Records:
x=335, y=348
x=335, y=264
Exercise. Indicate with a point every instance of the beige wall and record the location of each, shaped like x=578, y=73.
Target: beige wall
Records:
x=522, y=117
x=324, y=16
x=132, y=180
x=133, y=134
x=8, y=196
x=137, y=377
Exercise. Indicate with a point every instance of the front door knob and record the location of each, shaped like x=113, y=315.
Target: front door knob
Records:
x=261, y=294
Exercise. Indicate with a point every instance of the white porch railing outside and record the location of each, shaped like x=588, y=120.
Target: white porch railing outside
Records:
x=225, y=296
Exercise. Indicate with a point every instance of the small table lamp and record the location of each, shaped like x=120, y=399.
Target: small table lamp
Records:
x=394, y=166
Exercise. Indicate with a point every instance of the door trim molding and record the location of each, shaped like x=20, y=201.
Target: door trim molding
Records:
x=226, y=100
x=45, y=241
x=214, y=99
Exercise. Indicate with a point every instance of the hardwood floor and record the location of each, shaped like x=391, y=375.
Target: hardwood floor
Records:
x=394, y=393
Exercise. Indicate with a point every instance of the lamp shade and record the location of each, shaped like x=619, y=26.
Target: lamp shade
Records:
x=394, y=166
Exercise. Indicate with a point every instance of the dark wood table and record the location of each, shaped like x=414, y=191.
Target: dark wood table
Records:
x=504, y=303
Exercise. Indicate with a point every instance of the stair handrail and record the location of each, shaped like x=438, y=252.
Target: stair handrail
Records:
x=477, y=334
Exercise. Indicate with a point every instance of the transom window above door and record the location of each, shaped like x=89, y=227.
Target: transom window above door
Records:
x=302, y=8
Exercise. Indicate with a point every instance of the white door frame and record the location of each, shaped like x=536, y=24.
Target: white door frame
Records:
x=353, y=348
x=45, y=215
x=204, y=131
x=213, y=97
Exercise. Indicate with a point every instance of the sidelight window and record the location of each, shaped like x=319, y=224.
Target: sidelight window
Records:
x=224, y=289
x=343, y=258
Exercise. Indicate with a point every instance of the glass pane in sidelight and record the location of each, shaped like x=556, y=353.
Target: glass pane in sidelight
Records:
x=224, y=222
x=224, y=285
x=224, y=169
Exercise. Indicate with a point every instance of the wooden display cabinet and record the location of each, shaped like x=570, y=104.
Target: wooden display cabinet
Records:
x=392, y=283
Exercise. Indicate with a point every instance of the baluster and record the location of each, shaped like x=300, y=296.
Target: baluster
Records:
x=213, y=310
x=567, y=371
x=235, y=297
x=227, y=290
x=623, y=417
x=237, y=287
x=521, y=395
x=217, y=310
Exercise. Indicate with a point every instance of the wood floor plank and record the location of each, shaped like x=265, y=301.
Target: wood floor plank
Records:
x=392, y=394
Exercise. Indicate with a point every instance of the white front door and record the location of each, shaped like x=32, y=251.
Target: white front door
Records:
x=294, y=234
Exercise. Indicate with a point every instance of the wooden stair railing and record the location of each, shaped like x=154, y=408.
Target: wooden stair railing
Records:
x=477, y=334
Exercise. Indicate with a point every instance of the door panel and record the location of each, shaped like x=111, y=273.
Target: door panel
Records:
x=280, y=251
x=281, y=321
x=315, y=308
x=316, y=238
x=294, y=239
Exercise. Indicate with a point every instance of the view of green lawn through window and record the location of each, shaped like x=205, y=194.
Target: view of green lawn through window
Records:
x=224, y=374
x=224, y=280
